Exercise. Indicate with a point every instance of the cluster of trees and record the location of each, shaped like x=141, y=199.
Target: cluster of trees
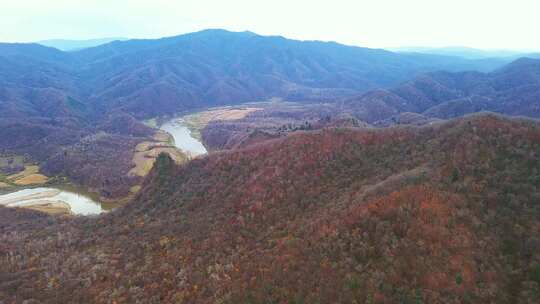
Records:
x=100, y=162
x=274, y=120
x=442, y=214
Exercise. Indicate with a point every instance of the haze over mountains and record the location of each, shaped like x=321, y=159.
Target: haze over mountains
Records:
x=74, y=45
x=366, y=176
x=216, y=67
x=466, y=52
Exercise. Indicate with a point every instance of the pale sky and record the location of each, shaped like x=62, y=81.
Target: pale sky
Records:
x=491, y=24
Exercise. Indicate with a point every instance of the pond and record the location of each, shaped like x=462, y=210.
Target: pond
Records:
x=78, y=204
x=183, y=138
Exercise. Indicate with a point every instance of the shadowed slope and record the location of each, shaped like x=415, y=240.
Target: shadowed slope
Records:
x=511, y=90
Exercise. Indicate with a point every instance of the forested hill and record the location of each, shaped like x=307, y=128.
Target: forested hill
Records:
x=334, y=216
x=150, y=77
x=512, y=90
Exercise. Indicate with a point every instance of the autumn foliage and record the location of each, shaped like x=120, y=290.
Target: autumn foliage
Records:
x=442, y=214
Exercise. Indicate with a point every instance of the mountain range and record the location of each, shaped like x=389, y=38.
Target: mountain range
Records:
x=513, y=90
x=214, y=67
x=431, y=97
x=466, y=52
x=391, y=178
x=75, y=45
x=52, y=103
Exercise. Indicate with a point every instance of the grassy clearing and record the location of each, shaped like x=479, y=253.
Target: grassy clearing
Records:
x=28, y=173
x=5, y=182
x=135, y=189
x=29, y=176
x=51, y=207
x=146, y=153
x=32, y=179
x=7, y=163
x=144, y=161
x=197, y=121
x=28, y=170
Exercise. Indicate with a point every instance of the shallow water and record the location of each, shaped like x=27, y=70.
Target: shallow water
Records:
x=182, y=137
x=79, y=204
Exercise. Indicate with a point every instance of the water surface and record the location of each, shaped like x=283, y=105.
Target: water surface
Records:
x=79, y=204
x=183, y=138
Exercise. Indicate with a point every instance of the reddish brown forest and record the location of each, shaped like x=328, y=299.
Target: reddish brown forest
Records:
x=447, y=213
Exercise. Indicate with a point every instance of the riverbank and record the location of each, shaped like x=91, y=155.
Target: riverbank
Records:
x=146, y=152
x=195, y=122
x=185, y=129
x=52, y=201
x=15, y=171
x=183, y=137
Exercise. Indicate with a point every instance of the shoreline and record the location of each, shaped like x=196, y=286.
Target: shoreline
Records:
x=52, y=201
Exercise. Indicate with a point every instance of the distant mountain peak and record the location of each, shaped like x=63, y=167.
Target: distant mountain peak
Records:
x=458, y=51
x=219, y=31
x=524, y=61
x=521, y=64
x=75, y=44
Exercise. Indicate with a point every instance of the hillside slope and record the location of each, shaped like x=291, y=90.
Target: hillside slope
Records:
x=512, y=90
x=216, y=67
x=441, y=214
x=211, y=67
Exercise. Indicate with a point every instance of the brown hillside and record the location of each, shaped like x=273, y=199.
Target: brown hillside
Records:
x=441, y=214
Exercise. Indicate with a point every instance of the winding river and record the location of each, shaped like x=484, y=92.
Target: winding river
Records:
x=79, y=204
x=43, y=196
x=183, y=138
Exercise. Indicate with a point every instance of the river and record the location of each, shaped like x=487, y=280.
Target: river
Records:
x=78, y=204
x=183, y=138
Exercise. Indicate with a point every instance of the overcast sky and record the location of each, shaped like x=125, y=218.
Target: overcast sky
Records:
x=377, y=23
